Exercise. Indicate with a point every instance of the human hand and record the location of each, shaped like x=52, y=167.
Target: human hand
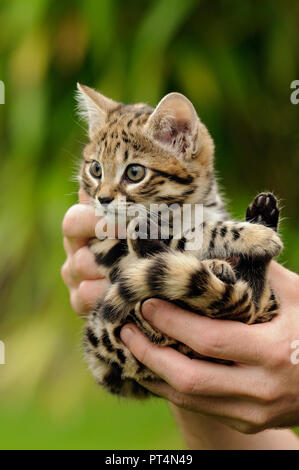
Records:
x=259, y=391
x=80, y=272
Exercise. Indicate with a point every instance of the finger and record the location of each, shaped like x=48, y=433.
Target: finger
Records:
x=85, y=297
x=84, y=198
x=229, y=340
x=84, y=266
x=68, y=247
x=235, y=413
x=79, y=225
x=67, y=275
x=206, y=405
x=154, y=357
x=189, y=375
x=78, y=267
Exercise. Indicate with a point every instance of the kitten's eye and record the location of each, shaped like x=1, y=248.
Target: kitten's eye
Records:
x=96, y=170
x=135, y=173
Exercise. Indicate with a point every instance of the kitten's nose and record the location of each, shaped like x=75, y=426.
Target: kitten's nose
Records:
x=105, y=200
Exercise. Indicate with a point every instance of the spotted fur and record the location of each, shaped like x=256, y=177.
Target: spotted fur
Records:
x=226, y=278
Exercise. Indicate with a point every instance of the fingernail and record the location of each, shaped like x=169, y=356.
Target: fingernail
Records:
x=148, y=309
x=127, y=334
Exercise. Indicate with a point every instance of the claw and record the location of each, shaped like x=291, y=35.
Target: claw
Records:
x=259, y=200
x=264, y=210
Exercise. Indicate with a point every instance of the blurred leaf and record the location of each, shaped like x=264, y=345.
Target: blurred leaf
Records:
x=149, y=54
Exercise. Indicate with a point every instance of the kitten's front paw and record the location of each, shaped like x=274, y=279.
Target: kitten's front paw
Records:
x=264, y=210
x=223, y=270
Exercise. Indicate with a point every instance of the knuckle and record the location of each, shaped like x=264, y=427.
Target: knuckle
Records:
x=271, y=393
x=179, y=400
x=79, y=300
x=74, y=302
x=69, y=220
x=65, y=272
x=187, y=382
x=280, y=354
x=166, y=321
x=83, y=293
x=144, y=352
x=212, y=342
x=262, y=419
x=79, y=262
x=247, y=428
x=256, y=422
x=257, y=350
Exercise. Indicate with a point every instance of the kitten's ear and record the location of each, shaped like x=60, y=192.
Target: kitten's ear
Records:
x=174, y=124
x=93, y=107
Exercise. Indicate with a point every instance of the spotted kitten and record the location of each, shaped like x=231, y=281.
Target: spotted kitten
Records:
x=165, y=155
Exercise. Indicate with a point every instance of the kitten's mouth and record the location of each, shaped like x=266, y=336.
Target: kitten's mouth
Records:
x=111, y=209
x=117, y=213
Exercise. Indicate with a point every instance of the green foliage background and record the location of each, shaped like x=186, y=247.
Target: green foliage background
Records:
x=235, y=61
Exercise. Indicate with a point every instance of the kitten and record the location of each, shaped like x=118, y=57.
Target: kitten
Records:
x=165, y=155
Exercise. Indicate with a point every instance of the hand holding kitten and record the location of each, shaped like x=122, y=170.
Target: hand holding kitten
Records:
x=80, y=271
x=261, y=351
x=260, y=391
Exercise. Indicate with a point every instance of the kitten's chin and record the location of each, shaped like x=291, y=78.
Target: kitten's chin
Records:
x=110, y=212
x=114, y=217
x=117, y=216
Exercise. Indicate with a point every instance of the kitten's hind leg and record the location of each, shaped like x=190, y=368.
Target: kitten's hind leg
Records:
x=264, y=210
x=207, y=287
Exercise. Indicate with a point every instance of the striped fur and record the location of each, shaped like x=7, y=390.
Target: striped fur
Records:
x=226, y=278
